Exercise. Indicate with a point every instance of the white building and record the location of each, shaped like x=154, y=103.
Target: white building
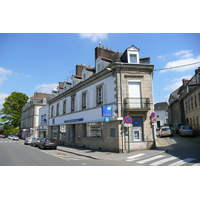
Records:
x=90, y=110
x=161, y=110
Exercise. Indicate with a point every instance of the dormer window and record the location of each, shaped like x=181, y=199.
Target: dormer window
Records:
x=131, y=55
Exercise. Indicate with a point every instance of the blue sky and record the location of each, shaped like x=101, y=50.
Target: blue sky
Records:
x=32, y=62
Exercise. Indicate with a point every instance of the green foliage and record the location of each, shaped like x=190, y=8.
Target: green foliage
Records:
x=12, y=109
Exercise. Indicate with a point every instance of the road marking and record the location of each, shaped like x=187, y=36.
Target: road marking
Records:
x=163, y=161
x=182, y=162
x=131, y=158
x=150, y=159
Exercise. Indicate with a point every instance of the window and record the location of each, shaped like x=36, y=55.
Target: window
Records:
x=84, y=100
x=73, y=104
x=52, y=108
x=99, y=95
x=64, y=107
x=94, y=129
x=43, y=119
x=133, y=58
x=57, y=109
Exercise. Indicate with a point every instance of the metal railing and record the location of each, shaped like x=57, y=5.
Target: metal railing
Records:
x=136, y=103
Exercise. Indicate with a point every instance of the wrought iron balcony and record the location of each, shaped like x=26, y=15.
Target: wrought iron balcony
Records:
x=139, y=104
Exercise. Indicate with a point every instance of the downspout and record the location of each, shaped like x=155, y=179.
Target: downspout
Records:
x=122, y=110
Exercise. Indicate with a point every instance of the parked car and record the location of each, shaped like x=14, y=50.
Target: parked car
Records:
x=2, y=136
x=48, y=143
x=165, y=131
x=186, y=130
x=16, y=138
x=35, y=142
x=10, y=137
x=175, y=128
x=28, y=140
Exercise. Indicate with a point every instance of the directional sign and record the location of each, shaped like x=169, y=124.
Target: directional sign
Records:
x=127, y=120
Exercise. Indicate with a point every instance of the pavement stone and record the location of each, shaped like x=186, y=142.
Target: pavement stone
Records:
x=95, y=154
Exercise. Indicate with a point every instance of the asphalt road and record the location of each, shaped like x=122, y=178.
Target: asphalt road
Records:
x=182, y=151
x=15, y=153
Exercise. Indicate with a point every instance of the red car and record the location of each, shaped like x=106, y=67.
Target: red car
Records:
x=2, y=136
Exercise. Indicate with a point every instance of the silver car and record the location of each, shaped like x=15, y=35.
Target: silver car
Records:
x=186, y=130
x=28, y=140
x=16, y=138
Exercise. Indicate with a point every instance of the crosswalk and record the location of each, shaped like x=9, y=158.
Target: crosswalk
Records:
x=64, y=156
x=9, y=141
x=165, y=160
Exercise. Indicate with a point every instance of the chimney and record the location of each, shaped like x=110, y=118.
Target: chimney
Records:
x=79, y=69
x=185, y=81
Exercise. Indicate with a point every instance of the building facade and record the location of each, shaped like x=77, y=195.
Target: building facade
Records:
x=30, y=115
x=161, y=110
x=89, y=111
x=184, y=105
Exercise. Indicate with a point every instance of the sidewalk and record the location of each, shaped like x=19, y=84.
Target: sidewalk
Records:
x=102, y=155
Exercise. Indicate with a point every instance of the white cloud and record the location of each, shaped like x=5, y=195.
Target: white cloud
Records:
x=188, y=62
x=2, y=97
x=46, y=87
x=176, y=83
x=94, y=36
x=3, y=74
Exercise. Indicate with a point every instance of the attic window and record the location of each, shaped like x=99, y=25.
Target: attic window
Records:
x=133, y=58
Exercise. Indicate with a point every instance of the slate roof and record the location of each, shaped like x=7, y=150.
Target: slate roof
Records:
x=161, y=106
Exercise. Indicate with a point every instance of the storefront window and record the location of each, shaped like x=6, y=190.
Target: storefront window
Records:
x=55, y=132
x=63, y=132
x=94, y=129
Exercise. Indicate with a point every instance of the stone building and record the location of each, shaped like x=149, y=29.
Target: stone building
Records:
x=184, y=103
x=30, y=115
x=89, y=111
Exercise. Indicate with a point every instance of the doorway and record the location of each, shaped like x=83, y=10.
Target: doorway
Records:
x=137, y=130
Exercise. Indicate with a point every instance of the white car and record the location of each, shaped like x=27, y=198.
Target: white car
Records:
x=16, y=138
x=165, y=131
x=10, y=137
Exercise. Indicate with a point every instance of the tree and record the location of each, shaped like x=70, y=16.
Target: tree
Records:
x=12, y=109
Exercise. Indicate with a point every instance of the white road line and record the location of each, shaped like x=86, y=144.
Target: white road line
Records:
x=182, y=162
x=150, y=159
x=163, y=161
x=131, y=158
x=197, y=164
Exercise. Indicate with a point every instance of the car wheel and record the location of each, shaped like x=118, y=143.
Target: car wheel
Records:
x=55, y=148
x=43, y=147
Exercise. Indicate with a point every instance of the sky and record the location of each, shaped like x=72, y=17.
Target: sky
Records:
x=31, y=62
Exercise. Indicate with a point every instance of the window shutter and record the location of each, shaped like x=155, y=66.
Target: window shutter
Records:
x=94, y=97
x=88, y=99
x=80, y=102
x=105, y=94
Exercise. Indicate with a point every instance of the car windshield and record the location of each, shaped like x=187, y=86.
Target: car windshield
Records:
x=165, y=129
x=187, y=128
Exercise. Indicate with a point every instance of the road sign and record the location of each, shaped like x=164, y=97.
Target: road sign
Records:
x=153, y=120
x=128, y=125
x=127, y=120
x=153, y=114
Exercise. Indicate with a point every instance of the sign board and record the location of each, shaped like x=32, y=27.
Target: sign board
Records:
x=153, y=120
x=128, y=125
x=106, y=111
x=106, y=119
x=128, y=120
x=153, y=114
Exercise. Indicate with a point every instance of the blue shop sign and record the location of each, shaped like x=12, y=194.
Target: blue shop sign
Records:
x=106, y=111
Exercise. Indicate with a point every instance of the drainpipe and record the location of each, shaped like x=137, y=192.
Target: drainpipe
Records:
x=122, y=109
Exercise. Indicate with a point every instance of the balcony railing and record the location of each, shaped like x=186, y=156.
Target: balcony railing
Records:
x=131, y=103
